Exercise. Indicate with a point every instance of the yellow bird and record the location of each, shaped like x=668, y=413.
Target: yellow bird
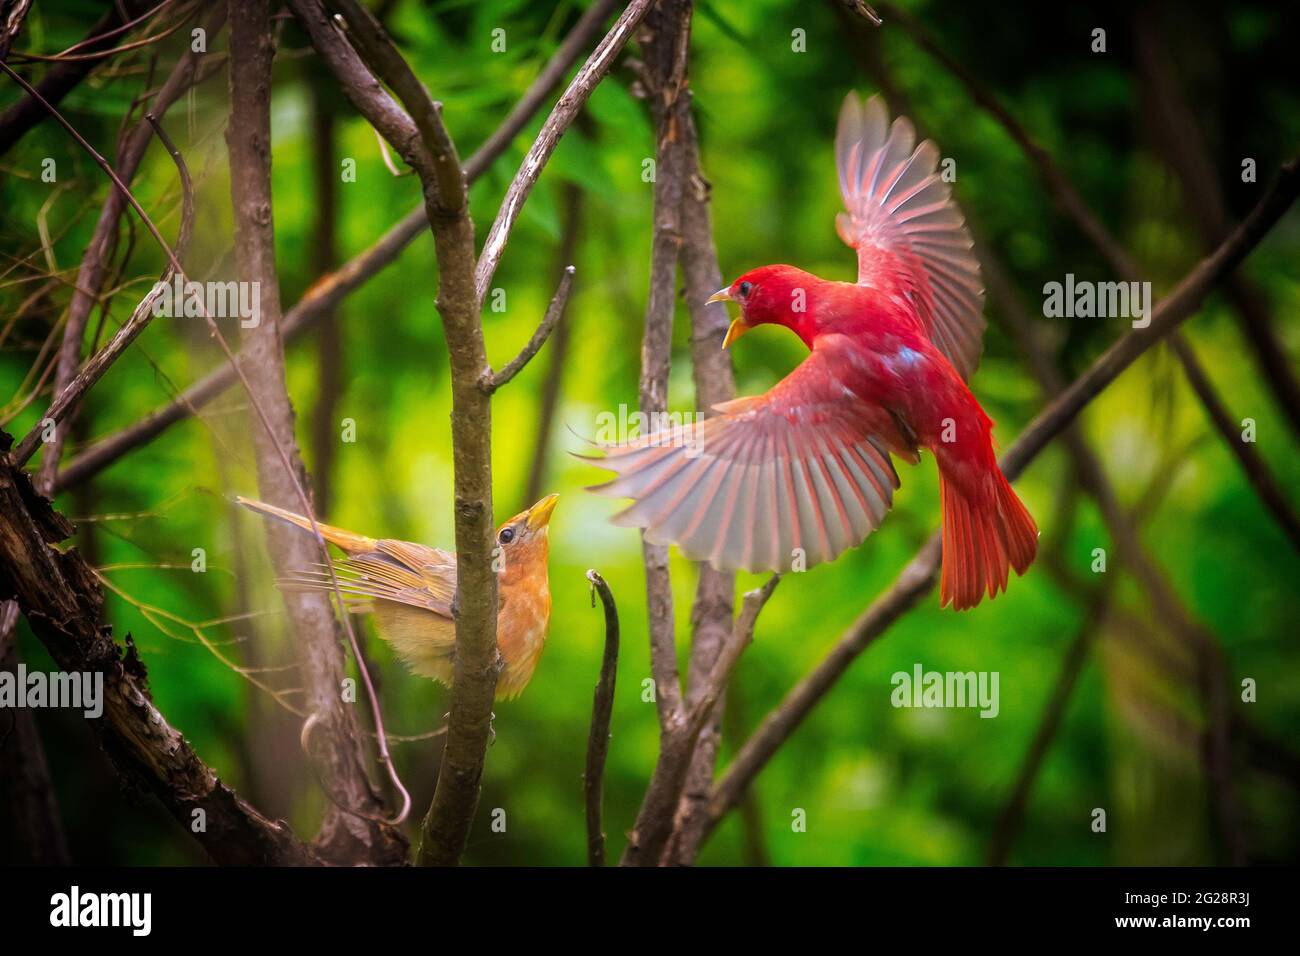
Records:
x=410, y=588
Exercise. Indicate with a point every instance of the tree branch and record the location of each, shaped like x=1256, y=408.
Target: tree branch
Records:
x=552, y=317
x=562, y=116
x=95, y=260
x=70, y=394
x=62, y=600
x=711, y=614
x=11, y=23
x=602, y=707
x=664, y=75
x=340, y=762
x=329, y=290
x=741, y=637
x=61, y=78
x=432, y=155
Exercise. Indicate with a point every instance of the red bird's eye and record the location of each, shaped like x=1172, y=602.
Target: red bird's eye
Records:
x=744, y=288
x=507, y=535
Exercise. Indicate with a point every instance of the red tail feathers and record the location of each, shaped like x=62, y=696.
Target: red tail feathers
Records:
x=982, y=539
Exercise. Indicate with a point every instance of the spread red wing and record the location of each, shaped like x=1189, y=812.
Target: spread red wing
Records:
x=906, y=228
x=796, y=468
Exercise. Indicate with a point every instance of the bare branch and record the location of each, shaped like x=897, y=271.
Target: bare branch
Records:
x=438, y=156
x=552, y=317
x=861, y=9
x=431, y=154
x=324, y=295
x=602, y=707
x=94, y=368
x=562, y=116
x=711, y=613
x=95, y=260
x=60, y=80
x=61, y=598
x=666, y=51
x=11, y=23
x=281, y=475
x=741, y=637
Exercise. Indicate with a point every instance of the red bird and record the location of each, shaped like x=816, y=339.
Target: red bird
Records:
x=804, y=471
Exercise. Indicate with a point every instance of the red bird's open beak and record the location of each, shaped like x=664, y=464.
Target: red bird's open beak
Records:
x=738, y=325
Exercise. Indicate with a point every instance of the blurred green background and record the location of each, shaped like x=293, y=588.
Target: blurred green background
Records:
x=879, y=785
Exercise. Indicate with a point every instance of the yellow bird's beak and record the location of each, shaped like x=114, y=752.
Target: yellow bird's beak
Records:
x=737, y=328
x=738, y=325
x=540, y=514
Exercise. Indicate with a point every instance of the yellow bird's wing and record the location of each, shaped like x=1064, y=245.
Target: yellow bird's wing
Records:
x=398, y=571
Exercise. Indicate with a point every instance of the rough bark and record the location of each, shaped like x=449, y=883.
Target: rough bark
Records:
x=343, y=836
x=62, y=601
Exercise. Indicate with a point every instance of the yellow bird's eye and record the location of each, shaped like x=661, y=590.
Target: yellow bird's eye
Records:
x=506, y=536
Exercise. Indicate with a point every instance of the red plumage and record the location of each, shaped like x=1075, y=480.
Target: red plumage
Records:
x=805, y=468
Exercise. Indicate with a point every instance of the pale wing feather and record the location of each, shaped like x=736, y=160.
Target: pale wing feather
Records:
x=906, y=228
x=795, y=469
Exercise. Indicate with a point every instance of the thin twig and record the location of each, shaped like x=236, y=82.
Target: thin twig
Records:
x=861, y=9
x=741, y=637
x=11, y=24
x=95, y=367
x=325, y=293
x=99, y=250
x=553, y=313
x=713, y=608
x=432, y=154
x=372, y=42
x=562, y=116
x=62, y=78
x=602, y=707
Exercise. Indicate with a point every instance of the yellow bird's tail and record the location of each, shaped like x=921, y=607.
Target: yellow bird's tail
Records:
x=349, y=542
